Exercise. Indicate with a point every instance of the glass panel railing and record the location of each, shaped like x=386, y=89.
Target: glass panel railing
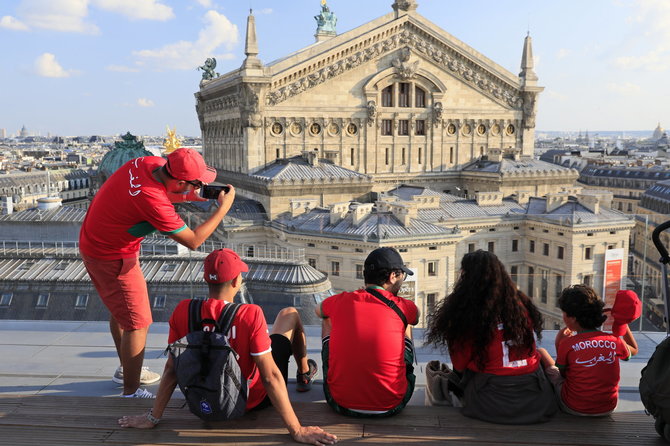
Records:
x=576, y=242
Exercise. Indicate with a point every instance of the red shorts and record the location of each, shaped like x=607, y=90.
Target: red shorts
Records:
x=123, y=289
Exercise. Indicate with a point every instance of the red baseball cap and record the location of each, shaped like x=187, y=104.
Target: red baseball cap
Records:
x=188, y=165
x=223, y=265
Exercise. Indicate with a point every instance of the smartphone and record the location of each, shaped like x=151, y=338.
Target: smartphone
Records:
x=212, y=192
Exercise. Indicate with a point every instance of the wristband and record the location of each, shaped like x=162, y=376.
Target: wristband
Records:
x=151, y=418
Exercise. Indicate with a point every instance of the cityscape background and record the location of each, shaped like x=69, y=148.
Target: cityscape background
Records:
x=84, y=67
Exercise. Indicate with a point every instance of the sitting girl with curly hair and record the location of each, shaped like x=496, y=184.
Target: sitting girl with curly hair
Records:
x=489, y=328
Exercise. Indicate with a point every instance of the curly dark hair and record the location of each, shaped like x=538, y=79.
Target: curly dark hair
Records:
x=483, y=297
x=582, y=303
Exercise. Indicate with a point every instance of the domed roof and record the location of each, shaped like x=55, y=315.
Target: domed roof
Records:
x=658, y=132
x=123, y=151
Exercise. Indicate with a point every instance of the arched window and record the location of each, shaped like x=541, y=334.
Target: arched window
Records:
x=387, y=96
x=419, y=97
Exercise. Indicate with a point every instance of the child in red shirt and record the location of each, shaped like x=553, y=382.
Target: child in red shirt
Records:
x=586, y=371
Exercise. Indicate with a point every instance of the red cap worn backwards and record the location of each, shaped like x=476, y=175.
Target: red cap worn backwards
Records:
x=188, y=165
x=223, y=265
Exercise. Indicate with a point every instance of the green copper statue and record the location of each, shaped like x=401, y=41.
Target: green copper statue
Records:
x=326, y=21
x=208, y=72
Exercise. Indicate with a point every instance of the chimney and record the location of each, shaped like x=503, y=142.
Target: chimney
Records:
x=299, y=207
x=523, y=196
x=404, y=212
x=311, y=156
x=555, y=200
x=48, y=203
x=338, y=211
x=360, y=212
x=7, y=205
x=493, y=198
x=495, y=154
x=591, y=202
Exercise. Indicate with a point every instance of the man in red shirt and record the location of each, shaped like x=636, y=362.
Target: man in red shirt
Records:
x=263, y=358
x=135, y=201
x=367, y=345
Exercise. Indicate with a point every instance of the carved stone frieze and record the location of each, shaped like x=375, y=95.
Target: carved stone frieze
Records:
x=410, y=37
x=437, y=113
x=249, y=107
x=228, y=102
x=529, y=109
x=372, y=112
x=406, y=69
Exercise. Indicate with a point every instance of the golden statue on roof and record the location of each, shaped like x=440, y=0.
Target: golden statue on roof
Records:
x=171, y=143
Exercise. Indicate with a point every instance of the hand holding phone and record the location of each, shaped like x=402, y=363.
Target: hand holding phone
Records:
x=212, y=192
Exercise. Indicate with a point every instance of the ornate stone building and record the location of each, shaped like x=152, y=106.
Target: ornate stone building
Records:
x=398, y=134
x=398, y=99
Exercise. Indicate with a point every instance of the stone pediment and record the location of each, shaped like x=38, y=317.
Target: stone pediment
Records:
x=410, y=35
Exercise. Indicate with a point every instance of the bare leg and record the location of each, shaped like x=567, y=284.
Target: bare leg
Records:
x=289, y=325
x=132, y=357
x=117, y=334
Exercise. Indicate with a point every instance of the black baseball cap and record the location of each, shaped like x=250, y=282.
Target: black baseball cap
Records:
x=386, y=258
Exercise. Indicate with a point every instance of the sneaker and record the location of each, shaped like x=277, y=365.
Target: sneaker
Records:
x=304, y=380
x=146, y=377
x=140, y=393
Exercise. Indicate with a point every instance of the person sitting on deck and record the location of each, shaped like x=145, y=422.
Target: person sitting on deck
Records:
x=367, y=344
x=263, y=358
x=489, y=328
x=586, y=372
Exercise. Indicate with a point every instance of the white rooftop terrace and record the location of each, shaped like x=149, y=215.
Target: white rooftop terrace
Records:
x=78, y=359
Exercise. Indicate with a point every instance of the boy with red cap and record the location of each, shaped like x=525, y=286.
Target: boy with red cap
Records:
x=263, y=358
x=586, y=372
x=135, y=201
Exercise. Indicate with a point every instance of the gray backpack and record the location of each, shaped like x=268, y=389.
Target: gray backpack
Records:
x=206, y=367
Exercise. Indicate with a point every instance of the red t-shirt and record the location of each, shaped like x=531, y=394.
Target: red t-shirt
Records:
x=366, y=366
x=502, y=358
x=248, y=336
x=590, y=364
x=128, y=206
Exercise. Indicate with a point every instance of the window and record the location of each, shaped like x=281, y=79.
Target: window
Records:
x=432, y=268
x=560, y=252
x=400, y=250
x=419, y=155
x=531, y=246
x=159, y=301
x=386, y=156
x=310, y=245
x=559, y=287
x=403, y=127
x=544, y=286
x=359, y=271
x=492, y=247
x=402, y=156
x=419, y=98
x=588, y=253
x=81, y=301
x=432, y=248
x=514, y=273
x=531, y=280
x=545, y=249
x=42, y=301
x=169, y=267
x=588, y=279
x=276, y=153
x=387, y=127
x=387, y=96
x=352, y=156
x=6, y=299
x=335, y=247
x=403, y=95
x=250, y=251
x=451, y=155
x=335, y=268
x=420, y=127
x=358, y=250
x=515, y=245
x=430, y=302
x=471, y=247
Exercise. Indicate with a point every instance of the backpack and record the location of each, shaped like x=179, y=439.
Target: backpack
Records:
x=655, y=385
x=206, y=367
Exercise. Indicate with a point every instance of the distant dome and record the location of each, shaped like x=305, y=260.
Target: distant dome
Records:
x=123, y=151
x=658, y=132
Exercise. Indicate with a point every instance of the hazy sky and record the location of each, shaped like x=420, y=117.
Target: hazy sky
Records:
x=80, y=67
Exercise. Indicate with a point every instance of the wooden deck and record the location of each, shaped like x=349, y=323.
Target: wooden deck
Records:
x=63, y=420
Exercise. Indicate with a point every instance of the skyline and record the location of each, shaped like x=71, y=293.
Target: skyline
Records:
x=82, y=67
